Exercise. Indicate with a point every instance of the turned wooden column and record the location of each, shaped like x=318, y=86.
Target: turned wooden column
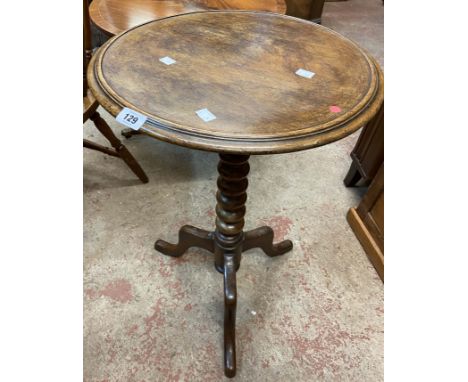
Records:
x=230, y=208
x=228, y=238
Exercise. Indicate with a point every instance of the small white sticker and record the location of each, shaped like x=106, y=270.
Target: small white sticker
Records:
x=305, y=73
x=167, y=60
x=131, y=118
x=206, y=115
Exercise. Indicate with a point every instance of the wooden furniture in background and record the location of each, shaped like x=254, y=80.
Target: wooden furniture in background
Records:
x=367, y=222
x=306, y=9
x=90, y=105
x=258, y=106
x=116, y=16
x=368, y=154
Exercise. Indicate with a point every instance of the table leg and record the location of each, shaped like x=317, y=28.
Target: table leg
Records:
x=128, y=133
x=189, y=236
x=230, y=304
x=263, y=238
x=228, y=241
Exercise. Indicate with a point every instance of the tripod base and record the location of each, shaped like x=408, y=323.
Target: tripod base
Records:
x=227, y=242
x=190, y=236
x=262, y=237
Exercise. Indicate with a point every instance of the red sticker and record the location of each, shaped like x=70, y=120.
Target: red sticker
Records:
x=335, y=109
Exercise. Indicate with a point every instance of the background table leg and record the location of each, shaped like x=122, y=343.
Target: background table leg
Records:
x=128, y=133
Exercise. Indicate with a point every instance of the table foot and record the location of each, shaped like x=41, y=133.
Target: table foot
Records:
x=230, y=302
x=263, y=238
x=128, y=133
x=189, y=236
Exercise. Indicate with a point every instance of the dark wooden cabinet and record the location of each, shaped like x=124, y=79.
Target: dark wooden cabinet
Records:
x=368, y=154
x=306, y=9
x=367, y=222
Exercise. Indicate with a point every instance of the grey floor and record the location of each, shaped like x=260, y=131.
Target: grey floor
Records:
x=315, y=314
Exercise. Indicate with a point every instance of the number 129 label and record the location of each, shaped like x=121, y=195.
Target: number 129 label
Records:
x=131, y=118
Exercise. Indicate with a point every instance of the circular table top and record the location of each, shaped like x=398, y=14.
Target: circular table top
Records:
x=241, y=67
x=116, y=16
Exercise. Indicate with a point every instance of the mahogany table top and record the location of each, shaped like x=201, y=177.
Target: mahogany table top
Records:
x=241, y=66
x=116, y=16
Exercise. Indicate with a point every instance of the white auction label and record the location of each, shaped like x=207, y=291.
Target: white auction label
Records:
x=305, y=73
x=167, y=60
x=131, y=118
x=205, y=115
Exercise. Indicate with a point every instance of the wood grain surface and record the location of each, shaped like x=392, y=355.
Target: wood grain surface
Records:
x=241, y=66
x=116, y=16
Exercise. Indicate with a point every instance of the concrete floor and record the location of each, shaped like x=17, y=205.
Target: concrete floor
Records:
x=314, y=314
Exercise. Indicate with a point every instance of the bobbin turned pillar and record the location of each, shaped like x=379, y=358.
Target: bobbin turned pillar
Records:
x=230, y=208
x=229, y=237
x=228, y=241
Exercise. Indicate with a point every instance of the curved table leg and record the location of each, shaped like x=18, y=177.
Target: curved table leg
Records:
x=263, y=238
x=230, y=302
x=189, y=236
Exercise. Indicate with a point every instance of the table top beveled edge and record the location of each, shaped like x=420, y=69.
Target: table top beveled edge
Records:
x=172, y=133
x=348, y=115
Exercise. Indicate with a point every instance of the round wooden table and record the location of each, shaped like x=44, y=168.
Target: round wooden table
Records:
x=238, y=83
x=116, y=16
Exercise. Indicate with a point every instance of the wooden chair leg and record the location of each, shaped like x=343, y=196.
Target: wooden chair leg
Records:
x=133, y=164
x=123, y=152
x=103, y=149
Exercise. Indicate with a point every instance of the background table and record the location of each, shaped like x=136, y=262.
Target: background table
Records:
x=242, y=67
x=116, y=16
